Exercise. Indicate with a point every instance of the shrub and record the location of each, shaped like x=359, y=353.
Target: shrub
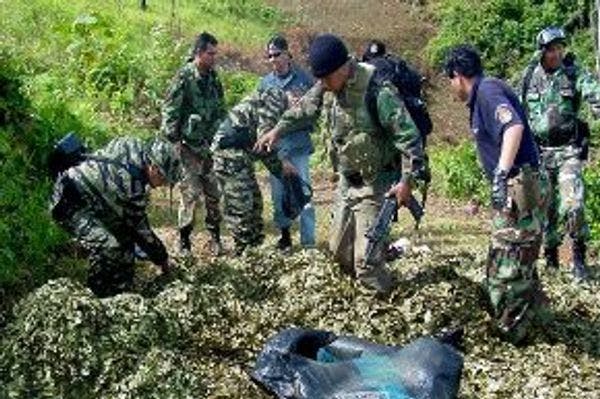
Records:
x=503, y=30
x=457, y=174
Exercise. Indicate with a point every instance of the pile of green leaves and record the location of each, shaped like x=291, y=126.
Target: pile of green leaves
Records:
x=199, y=336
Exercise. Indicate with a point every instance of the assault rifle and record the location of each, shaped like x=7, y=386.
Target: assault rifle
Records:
x=381, y=225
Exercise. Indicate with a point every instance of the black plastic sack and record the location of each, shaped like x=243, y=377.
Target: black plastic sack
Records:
x=296, y=194
x=314, y=364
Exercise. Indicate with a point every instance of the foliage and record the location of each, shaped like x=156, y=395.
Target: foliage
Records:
x=26, y=231
x=100, y=69
x=503, y=30
x=457, y=173
x=201, y=334
x=592, y=201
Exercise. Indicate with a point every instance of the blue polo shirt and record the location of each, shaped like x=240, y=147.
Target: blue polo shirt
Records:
x=494, y=108
x=298, y=82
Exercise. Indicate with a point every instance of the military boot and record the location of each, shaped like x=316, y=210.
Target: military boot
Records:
x=214, y=245
x=185, y=243
x=551, y=255
x=579, y=268
x=285, y=242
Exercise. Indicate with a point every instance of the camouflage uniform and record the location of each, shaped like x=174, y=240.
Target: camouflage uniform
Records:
x=103, y=202
x=234, y=167
x=552, y=101
x=365, y=151
x=192, y=111
x=512, y=283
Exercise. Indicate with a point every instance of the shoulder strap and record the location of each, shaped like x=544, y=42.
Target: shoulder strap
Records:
x=371, y=95
x=526, y=82
x=571, y=71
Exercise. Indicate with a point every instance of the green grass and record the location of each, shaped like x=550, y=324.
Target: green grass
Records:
x=100, y=69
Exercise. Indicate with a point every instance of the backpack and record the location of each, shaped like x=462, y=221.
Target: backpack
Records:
x=69, y=151
x=409, y=83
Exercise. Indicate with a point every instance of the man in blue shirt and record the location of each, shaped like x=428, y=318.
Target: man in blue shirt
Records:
x=294, y=149
x=509, y=156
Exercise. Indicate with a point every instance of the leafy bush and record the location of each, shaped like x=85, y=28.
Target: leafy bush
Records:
x=503, y=30
x=26, y=231
x=592, y=185
x=457, y=174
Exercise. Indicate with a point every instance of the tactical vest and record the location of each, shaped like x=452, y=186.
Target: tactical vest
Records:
x=552, y=105
x=357, y=142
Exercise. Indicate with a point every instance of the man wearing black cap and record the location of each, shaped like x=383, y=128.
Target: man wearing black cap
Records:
x=372, y=136
x=295, y=148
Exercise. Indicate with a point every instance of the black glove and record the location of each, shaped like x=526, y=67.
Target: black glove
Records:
x=500, y=189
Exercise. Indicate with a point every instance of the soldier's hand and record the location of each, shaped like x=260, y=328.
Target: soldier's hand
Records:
x=266, y=142
x=288, y=168
x=500, y=189
x=402, y=191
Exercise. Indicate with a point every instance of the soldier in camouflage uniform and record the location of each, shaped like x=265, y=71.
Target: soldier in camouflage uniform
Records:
x=509, y=156
x=234, y=164
x=552, y=90
x=192, y=111
x=366, y=147
x=102, y=202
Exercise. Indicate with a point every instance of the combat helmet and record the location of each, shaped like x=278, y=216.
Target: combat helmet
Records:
x=549, y=35
x=162, y=154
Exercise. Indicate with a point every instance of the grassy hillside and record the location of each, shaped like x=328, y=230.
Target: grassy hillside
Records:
x=99, y=68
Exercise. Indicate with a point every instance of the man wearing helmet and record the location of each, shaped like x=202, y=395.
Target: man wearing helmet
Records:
x=102, y=202
x=552, y=88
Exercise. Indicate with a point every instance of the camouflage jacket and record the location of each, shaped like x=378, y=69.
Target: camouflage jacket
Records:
x=553, y=100
x=256, y=114
x=114, y=188
x=193, y=108
x=359, y=143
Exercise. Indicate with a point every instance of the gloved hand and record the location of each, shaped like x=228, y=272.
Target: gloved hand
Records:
x=500, y=189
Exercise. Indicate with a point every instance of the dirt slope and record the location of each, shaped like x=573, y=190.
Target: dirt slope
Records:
x=405, y=26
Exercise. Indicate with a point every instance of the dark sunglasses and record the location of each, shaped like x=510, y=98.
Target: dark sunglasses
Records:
x=273, y=55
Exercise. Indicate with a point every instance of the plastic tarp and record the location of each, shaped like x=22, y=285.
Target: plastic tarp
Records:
x=313, y=364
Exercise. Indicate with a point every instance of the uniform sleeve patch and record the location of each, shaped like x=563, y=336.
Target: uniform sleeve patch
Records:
x=503, y=114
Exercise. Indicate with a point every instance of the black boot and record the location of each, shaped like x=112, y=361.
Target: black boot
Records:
x=551, y=255
x=285, y=242
x=579, y=268
x=185, y=244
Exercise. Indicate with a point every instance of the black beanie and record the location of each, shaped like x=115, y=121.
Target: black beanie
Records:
x=326, y=54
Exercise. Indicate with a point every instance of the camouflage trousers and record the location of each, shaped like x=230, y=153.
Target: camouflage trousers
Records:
x=242, y=199
x=565, y=211
x=512, y=282
x=198, y=178
x=355, y=209
x=111, y=252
